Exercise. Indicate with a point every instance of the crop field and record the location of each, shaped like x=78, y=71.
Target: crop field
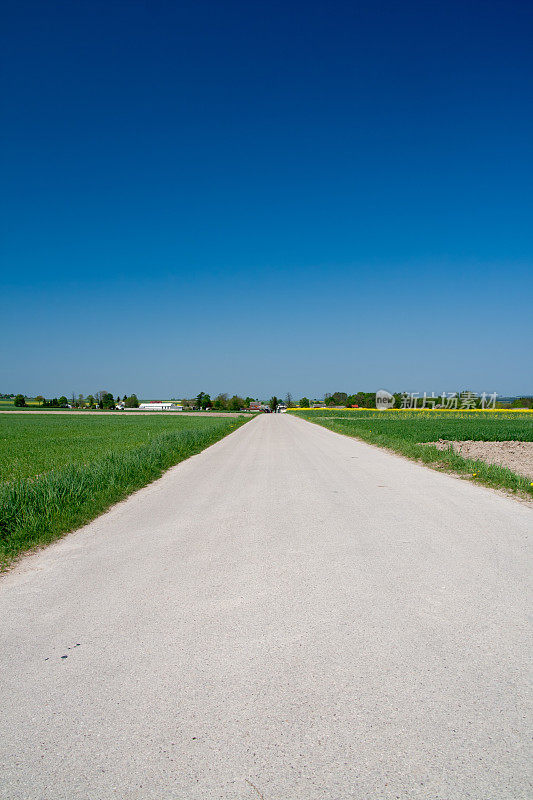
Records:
x=9, y=405
x=58, y=472
x=406, y=432
x=33, y=445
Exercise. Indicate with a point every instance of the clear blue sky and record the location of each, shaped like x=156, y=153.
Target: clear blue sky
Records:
x=266, y=197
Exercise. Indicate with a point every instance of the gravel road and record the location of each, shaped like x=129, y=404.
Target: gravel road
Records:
x=291, y=615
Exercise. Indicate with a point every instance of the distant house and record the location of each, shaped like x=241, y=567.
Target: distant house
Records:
x=160, y=405
x=255, y=405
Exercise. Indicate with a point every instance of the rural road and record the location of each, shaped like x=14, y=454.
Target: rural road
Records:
x=292, y=615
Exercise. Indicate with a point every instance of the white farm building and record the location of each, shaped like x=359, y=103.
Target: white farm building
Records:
x=157, y=405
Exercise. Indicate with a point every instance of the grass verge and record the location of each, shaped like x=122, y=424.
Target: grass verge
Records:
x=37, y=510
x=407, y=434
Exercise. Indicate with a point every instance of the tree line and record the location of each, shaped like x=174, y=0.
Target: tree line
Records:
x=223, y=402
x=465, y=398
x=106, y=400
x=360, y=399
x=101, y=399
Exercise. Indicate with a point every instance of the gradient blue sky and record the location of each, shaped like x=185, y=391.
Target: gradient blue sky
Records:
x=266, y=197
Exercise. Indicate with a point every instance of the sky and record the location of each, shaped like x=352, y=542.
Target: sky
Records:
x=267, y=197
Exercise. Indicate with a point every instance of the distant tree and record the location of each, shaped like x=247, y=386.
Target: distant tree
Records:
x=304, y=402
x=63, y=400
x=288, y=400
x=19, y=401
x=55, y=403
x=199, y=399
x=522, y=402
x=236, y=403
x=131, y=401
x=108, y=400
x=81, y=401
x=40, y=399
x=221, y=402
x=362, y=399
x=100, y=397
x=339, y=398
x=90, y=401
x=247, y=401
x=398, y=396
x=273, y=403
x=206, y=402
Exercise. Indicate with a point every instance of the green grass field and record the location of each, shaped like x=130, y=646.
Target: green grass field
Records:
x=32, y=445
x=58, y=472
x=406, y=431
x=8, y=405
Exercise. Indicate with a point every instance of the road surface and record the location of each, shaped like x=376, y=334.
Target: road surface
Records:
x=292, y=615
